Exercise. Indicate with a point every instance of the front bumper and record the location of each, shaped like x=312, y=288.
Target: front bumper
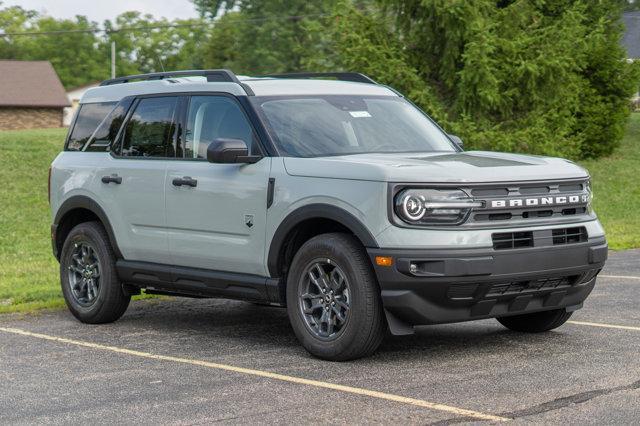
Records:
x=442, y=286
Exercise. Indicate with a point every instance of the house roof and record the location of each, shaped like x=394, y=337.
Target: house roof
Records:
x=30, y=84
x=631, y=38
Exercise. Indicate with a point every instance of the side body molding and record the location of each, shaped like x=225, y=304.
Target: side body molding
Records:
x=81, y=202
x=315, y=211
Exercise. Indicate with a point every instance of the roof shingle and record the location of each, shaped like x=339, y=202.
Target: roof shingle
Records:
x=30, y=84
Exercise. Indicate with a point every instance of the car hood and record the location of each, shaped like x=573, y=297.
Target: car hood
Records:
x=437, y=167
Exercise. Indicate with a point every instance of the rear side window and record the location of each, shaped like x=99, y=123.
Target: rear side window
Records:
x=151, y=128
x=88, y=118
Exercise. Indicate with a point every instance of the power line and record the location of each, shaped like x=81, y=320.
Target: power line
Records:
x=154, y=27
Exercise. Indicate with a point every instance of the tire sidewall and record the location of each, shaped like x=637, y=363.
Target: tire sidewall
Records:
x=79, y=234
x=359, y=305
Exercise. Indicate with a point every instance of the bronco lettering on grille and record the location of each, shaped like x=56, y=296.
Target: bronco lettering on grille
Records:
x=539, y=201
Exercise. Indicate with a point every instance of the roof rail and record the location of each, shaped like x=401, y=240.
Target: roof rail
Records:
x=343, y=76
x=221, y=75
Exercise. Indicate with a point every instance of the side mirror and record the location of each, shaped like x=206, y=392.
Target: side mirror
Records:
x=457, y=141
x=230, y=151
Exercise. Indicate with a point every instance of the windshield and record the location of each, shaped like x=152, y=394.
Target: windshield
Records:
x=316, y=126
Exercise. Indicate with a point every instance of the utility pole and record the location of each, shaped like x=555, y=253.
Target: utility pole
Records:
x=113, y=59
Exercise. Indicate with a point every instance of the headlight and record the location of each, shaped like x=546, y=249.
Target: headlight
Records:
x=589, y=196
x=433, y=206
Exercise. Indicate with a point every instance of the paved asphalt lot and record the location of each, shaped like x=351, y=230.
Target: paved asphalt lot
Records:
x=183, y=361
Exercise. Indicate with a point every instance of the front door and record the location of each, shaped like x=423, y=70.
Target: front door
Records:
x=216, y=213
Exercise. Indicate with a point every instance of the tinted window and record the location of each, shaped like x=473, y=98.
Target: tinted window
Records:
x=211, y=118
x=107, y=131
x=150, y=130
x=88, y=118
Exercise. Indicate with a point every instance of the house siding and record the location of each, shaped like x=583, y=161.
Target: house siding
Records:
x=14, y=118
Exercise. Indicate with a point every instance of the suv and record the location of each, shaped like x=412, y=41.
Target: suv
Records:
x=323, y=192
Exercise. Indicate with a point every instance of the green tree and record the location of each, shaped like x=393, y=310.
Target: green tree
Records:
x=174, y=45
x=73, y=54
x=264, y=36
x=546, y=77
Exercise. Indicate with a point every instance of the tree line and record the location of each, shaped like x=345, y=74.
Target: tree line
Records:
x=537, y=76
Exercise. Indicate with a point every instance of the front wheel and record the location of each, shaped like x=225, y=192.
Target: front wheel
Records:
x=333, y=299
x=536, y=322
x=90, y=284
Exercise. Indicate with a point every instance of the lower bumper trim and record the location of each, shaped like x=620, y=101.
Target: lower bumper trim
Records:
x=511, y=283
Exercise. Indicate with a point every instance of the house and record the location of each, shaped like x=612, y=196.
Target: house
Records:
x=74, y=95
x=631, y=42
x=31, y=95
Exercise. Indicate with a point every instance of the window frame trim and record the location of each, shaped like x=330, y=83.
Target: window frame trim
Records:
x=263, y=138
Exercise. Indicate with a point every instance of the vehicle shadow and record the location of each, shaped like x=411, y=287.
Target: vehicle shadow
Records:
x=222, y=323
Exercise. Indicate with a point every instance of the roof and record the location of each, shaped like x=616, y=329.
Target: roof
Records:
x=260, y=87
x=83, y=87
x=282, y=86
x=631, y=38
x=30, y=84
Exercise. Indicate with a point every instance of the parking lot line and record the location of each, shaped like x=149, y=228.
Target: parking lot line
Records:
x=597, y=324
x=291, y=379
x=622, y=277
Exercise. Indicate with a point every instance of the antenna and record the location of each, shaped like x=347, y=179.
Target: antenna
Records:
x=160, y=60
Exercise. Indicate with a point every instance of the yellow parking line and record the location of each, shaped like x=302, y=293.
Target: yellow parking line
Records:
x=597, y=324
x=291, y=379
x=623, y=277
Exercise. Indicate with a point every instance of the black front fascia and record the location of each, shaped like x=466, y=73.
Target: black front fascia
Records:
x=452, y=285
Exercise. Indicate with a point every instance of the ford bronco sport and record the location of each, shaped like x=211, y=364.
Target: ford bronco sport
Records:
x=323, y=192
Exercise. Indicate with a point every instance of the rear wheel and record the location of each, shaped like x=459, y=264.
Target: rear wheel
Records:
x=90, y=285
x=333, y=300
x=536, y=322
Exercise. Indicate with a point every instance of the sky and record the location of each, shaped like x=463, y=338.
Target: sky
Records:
x=100, y=10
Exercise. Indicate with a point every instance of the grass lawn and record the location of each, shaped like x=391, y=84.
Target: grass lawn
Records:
x=29, y=273
x=28, y=270
x=616, y=186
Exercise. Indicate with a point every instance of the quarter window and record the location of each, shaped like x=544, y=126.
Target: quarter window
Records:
x=107, y=131
x=88, y=118
x=215, y=117
x=151, y=128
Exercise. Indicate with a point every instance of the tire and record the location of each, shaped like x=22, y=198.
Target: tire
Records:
x=536, y=322
x=100, y=299
x=362, y=327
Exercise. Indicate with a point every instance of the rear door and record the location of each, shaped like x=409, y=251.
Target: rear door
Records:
x=134, y=184
x=218, y=221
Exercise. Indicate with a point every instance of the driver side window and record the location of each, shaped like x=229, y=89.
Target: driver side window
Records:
x=214, y=117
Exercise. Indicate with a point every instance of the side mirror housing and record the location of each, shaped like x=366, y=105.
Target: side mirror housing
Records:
x=457, y=141
x=230, y=151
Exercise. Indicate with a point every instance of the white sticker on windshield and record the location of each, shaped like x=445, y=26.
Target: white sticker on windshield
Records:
x=360, y=114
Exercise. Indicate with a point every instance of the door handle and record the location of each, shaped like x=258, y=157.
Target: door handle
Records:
x=113, y=178
x=186, y=181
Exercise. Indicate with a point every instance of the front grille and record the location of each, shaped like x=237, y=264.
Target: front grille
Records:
x=516, y=287
x=512, y=240
x=541, y=238
x=475, y=291
x=538, y=210
x=569, y=235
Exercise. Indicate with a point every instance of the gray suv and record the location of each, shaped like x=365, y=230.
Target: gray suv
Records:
x=323, y=192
